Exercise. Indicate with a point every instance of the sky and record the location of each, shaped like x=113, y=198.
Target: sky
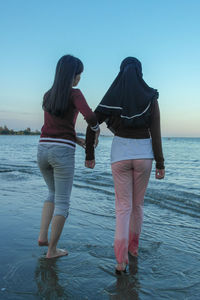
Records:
x=163, y=35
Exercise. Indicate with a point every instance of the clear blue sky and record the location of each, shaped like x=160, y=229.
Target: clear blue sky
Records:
x=164, y=35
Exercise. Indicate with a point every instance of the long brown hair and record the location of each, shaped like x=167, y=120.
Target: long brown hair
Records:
x=56, y=100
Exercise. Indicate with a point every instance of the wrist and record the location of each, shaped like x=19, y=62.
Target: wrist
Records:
x=89, y=157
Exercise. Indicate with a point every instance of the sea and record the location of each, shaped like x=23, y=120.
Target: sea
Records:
x=168, y=264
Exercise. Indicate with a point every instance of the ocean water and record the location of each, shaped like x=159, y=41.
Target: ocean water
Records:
x=168, y=265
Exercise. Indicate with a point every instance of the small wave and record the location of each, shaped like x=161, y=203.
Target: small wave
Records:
x=19, y=169
x=172, y=225
x=18, y=175
x=93, y=213
x=94, y=188
x=6, y=171
x=171, y=205
x=14, y=165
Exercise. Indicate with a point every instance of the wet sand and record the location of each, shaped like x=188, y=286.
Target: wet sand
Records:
x=168, y=265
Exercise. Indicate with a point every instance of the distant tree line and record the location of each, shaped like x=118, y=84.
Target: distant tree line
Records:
x=27, y=131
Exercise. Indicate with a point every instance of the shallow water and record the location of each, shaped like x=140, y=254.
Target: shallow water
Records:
x=168, y=266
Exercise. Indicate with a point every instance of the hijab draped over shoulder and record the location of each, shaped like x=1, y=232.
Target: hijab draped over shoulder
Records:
x=129, y=97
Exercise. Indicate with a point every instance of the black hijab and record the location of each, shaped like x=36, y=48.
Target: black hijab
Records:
x=129, y=97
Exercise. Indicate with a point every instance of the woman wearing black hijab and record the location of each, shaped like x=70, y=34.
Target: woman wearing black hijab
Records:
x=130, y=110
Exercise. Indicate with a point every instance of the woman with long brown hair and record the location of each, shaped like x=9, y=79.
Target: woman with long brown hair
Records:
x=56, y=149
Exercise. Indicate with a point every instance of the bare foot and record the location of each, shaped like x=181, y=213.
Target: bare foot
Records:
x=57, y=253
x=43, y=243
x=120, y=268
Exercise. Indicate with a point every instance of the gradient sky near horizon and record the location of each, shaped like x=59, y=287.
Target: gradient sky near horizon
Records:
x=163, y=35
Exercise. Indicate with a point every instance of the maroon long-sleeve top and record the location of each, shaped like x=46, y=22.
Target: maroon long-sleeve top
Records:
x=62, y=130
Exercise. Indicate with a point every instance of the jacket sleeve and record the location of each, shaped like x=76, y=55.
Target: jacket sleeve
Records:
x=90, y=137
x=155, y=132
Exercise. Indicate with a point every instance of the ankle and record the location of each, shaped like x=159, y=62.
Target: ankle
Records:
x=52, y=249
x=121, y=266
x=43, y=235
x=134, y=252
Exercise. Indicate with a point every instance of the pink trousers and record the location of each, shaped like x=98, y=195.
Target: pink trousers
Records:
x=131, y=178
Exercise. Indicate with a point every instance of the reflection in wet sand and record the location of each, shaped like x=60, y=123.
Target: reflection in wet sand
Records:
x=47, y=280
x=126, y=285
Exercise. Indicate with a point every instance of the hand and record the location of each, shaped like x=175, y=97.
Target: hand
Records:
x=90, y=164
x=96, y=141
x=80, y=142
x=160, y=173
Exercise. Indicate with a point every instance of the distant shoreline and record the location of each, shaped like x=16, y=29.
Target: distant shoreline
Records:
x=18, y=133
x=39, y=133
x=27, y=132
x=6, y=131
x=102, y=135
